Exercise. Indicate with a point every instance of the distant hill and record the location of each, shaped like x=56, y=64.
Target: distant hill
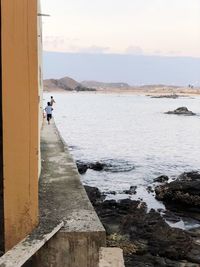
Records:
x=69, y=84
x=66, y=83
x=97, y=85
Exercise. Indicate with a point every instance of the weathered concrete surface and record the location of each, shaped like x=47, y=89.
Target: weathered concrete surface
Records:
x=24, y=250
x=111, y=257
x=63, y=198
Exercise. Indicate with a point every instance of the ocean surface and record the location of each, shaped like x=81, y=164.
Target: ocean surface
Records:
x=132, y=135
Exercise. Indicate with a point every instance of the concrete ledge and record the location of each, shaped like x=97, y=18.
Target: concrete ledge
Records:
x=63, y=198
x=111, y=257
x=24, y=250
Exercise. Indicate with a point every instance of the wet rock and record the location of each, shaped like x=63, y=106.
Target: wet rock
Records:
x=185, y=190
x=194, y=255
x=110, y=193
x=146, y=238
x=150, y=189
x=147, y=260
x=160, y=210
x=131, y=191
x=161, y=179
x=189, y=176
x=162, y=239
x=94, y=194
x=97, y=166
x=171, y=217
x=106, y=165
x=181, y=111
x=82, y=167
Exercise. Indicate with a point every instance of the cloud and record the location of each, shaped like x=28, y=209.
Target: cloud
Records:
x=62, y=44
x=134, y=50
x=59, y=43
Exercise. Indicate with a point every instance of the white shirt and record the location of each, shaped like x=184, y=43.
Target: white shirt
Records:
x=48, y=109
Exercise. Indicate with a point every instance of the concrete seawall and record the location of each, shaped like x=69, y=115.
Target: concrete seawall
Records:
x=63, y=199
x=70, y=233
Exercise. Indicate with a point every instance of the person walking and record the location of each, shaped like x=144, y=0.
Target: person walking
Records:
x=52, y=101
x=49, y=110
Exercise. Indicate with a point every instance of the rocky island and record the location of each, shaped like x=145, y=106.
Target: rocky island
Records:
x=181, y=111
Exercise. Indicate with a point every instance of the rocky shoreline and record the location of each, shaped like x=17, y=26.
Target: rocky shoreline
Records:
x=145, y=236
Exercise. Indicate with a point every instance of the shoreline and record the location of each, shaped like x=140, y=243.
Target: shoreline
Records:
x=153, y=194
x=129, y=92
x=145, y=236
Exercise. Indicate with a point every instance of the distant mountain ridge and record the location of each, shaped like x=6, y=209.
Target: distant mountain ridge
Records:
x=69, y=84
x=65, y=83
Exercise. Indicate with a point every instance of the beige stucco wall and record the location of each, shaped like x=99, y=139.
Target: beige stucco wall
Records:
x=20, y=117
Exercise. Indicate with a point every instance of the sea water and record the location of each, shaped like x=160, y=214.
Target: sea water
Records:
x=132, y=135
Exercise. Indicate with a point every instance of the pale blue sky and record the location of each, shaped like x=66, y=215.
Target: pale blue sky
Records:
x=158, y=27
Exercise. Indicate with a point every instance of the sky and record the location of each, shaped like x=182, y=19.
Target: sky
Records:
x=136, y=27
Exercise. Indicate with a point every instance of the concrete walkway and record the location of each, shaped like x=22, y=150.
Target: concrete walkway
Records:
x=63, y=199
x=69, y=233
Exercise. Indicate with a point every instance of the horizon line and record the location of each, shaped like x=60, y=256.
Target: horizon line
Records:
x=122, y=54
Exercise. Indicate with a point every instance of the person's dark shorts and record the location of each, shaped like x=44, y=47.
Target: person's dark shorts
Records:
x=49, y=116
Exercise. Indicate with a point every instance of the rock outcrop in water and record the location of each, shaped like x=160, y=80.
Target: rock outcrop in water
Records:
x=145, y=237
x=161, y=179
x=185, y=190
x=96, y=166
x=82, y=168
x=107, y=165
x=131, y=190
x=172, y=96
x=181, y=111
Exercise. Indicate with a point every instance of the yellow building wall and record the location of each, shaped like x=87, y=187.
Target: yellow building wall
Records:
x=40, y=81
x=20, y=117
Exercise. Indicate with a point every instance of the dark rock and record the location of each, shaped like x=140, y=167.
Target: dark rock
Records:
x=147, y=260
x=108, y=166
x=171, y=217
x=162, y=239
x=97, y=166
x=181, y=111
x=94, y=194
x=110, y=193
x=82, y=167
x=185, y=190
x=161, y=179
x=131, y=218
x=194, y=255
x=189, y=176
x=146, y=238
x=160, y=210
x=150, y=189
x=131, y=191
x=173, y=96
